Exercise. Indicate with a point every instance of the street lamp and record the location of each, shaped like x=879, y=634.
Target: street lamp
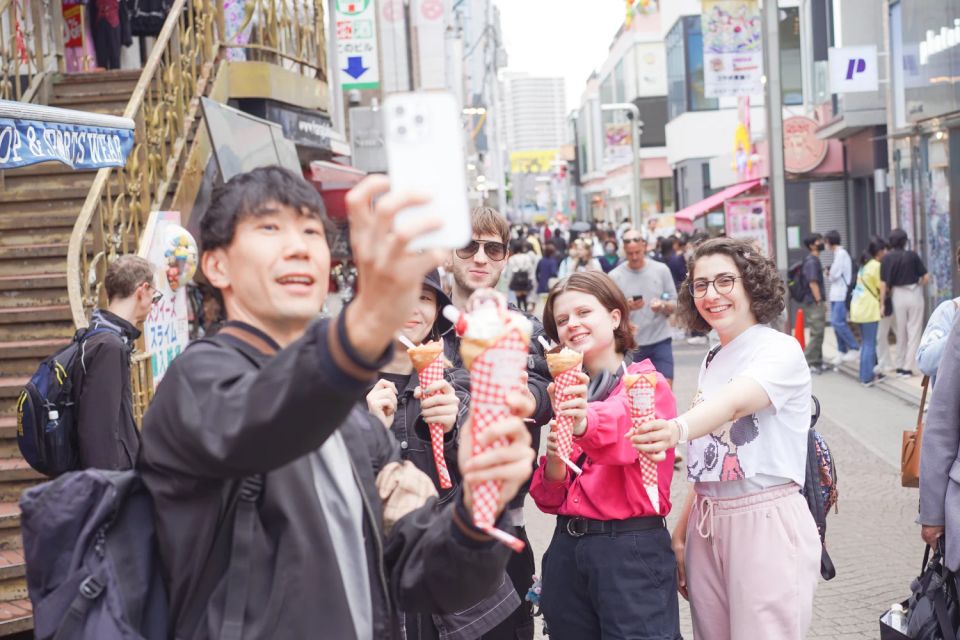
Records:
x=633, y=113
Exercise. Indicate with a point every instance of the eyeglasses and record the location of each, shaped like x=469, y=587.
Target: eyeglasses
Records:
x=632, y=240
x=722, y=284
x=496, y=251
x=157, y=296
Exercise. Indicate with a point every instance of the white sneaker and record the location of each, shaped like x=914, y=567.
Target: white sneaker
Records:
x=836, y=360
x=851, y=356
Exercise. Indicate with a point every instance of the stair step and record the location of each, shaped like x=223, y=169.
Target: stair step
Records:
x=98, y=76
x=27, y=251
x=10, y=386
x=52, y=203
x=50, y=193
x=16, y=616
x=18, y=283
x=17, y=183
x=95, y=95
x=52, y=220
x=38, y=349
x=17, y=469
x=23, y=315
x=48, y=168
x=8, y=427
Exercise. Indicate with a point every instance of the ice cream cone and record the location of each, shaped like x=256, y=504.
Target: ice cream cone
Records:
x=564, y=360
x=428, y=360
x=422, y=356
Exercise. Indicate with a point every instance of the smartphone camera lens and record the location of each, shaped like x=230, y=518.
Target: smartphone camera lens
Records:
x=399, y=111
x=402, y=131
x=418, y=119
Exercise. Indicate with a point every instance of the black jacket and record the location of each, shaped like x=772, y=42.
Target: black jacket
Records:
x=106, y=431
x=225, y=411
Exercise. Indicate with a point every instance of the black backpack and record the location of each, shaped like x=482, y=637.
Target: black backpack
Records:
x=46, y=431
x=93, y=566
x=796, y=283
x=520, y=281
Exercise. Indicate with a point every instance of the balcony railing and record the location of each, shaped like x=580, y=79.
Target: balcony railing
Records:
x=30, y=46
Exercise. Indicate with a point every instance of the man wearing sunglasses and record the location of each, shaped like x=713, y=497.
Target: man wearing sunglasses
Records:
x=651, y=297
x=106, y=431
x=476, y=266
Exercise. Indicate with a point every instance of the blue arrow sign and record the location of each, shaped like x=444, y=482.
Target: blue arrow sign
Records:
x=355, y=67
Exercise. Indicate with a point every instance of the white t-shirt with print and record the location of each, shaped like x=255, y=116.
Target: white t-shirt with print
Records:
x=771, y=443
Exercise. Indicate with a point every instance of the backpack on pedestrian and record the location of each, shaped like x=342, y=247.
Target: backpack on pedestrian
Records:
x=820, y=486
x=46, y=427
x=93, y=563
x=520, y=281
x=796, y=283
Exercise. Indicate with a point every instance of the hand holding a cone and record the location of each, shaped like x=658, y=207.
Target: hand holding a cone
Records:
x=439, y=404
x=575, y=403
x=510, y=464
x=654, y=438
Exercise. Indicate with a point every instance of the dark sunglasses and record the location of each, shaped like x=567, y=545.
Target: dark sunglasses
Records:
x=496, y=251
x=157, y=296
x=632, y=240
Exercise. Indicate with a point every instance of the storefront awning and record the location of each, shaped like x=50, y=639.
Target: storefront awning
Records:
x=688, y=215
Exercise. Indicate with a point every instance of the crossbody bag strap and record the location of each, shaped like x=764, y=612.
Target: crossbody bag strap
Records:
x=923, y=402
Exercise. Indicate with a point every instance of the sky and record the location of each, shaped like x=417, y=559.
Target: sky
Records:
x=567, y=38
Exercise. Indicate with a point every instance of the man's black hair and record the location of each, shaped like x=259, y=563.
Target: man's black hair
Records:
x=248, y=194
x=832, y=237
x=812, y=239
x=898, y=239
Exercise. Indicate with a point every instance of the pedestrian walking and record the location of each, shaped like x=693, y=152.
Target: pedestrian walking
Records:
x=609, y=571
x=406, y=408
x=580, y=259
x=611, y=255
x=274, y=404
x=814, y=312
x=747, y=547
x=905, y=275
x=935, y=334
x=866, y=308
x=651, y=299
x=107, y=434
x=940, y=450
x=547, y=269
x=520, y=271
x=841, y=283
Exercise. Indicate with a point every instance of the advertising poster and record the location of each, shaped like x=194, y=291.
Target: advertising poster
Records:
x=617, y=147
x=749, y=219
x=732, y=48
x=173, y=251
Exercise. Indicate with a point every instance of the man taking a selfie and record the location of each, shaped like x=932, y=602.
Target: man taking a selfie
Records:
x=281, y=504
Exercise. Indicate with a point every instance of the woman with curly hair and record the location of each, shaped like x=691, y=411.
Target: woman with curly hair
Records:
x=747, y=548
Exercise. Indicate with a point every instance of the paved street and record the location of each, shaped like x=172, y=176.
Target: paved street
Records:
x=872, y=538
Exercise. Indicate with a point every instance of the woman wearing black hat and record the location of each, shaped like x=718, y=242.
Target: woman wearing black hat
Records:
x=397, y=400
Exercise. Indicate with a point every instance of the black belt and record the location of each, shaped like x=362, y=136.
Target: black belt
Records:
x=578, y=526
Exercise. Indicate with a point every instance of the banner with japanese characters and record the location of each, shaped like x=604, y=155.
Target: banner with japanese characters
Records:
x=732, y=48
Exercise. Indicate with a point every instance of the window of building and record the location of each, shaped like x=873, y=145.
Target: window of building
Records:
x=696, y=101
x=705, y=176
x=676, y=91
x=619, y=91
x=791, y=70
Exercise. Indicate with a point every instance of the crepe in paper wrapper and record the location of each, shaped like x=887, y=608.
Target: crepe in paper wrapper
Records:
x=428, y=360
x=564, y=366
x=641, y=388
x=494, y=348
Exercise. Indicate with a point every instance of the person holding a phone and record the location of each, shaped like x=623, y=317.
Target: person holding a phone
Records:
x=480, y=265
x=651, y=295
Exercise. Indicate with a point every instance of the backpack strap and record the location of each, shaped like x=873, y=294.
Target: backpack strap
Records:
x=72, y=623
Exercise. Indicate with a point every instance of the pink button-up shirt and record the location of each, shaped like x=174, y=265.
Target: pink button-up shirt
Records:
x=611, y=486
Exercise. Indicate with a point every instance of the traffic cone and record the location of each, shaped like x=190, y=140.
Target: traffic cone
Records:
x=798, y=330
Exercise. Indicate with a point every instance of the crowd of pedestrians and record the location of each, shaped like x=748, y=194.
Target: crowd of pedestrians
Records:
x=323, y=424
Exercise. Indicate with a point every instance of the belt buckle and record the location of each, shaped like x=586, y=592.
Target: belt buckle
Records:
x=573, y=530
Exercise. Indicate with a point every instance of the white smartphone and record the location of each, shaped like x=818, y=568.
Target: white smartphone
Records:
x=424, y=139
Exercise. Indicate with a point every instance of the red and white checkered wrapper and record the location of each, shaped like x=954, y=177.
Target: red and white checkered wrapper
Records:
x=564, y=424
x=642, y=410
x=493, y=375
x=429, y=375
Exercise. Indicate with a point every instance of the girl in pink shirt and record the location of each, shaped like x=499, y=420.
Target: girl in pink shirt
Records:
x=609, y=571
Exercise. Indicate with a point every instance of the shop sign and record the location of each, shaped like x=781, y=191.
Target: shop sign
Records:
x=803, y=151
x=853, y=69
x=73, y=25
x=749, y=219
x=358, y=58
x=532, y=161
x=617, y=146
x=26, y=142
x=732, y=48
x=303, y=127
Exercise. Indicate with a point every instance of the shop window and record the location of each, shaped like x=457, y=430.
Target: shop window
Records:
x=696, y=101
x=676, y=84
x=791, y=71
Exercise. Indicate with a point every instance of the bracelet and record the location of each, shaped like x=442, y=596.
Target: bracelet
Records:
x=683, y=429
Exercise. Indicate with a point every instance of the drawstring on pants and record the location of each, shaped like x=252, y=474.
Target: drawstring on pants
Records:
x=705, y=517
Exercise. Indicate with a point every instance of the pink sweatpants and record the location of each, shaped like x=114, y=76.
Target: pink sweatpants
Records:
x=752, y=566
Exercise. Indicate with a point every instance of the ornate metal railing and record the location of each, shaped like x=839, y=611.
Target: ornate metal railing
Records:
x=27, y=52
x=197, y=37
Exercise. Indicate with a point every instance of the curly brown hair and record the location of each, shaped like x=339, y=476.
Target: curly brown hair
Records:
x=607, y=293
x=759, y=275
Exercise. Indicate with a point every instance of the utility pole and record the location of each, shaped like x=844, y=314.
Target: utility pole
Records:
x=774, y=103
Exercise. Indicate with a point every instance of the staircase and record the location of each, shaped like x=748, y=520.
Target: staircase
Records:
x=38, y=207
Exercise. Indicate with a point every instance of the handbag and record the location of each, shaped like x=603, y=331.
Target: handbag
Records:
x=910, y=446
x=933, y=608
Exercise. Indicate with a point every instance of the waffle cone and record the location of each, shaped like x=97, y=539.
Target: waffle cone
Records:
x=471, y=349
x=423, y=355
x=631, y=379
x=563, y=361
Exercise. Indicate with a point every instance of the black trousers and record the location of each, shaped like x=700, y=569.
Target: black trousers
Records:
x=611, y=587
x=106, y=43
x=520, y=569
